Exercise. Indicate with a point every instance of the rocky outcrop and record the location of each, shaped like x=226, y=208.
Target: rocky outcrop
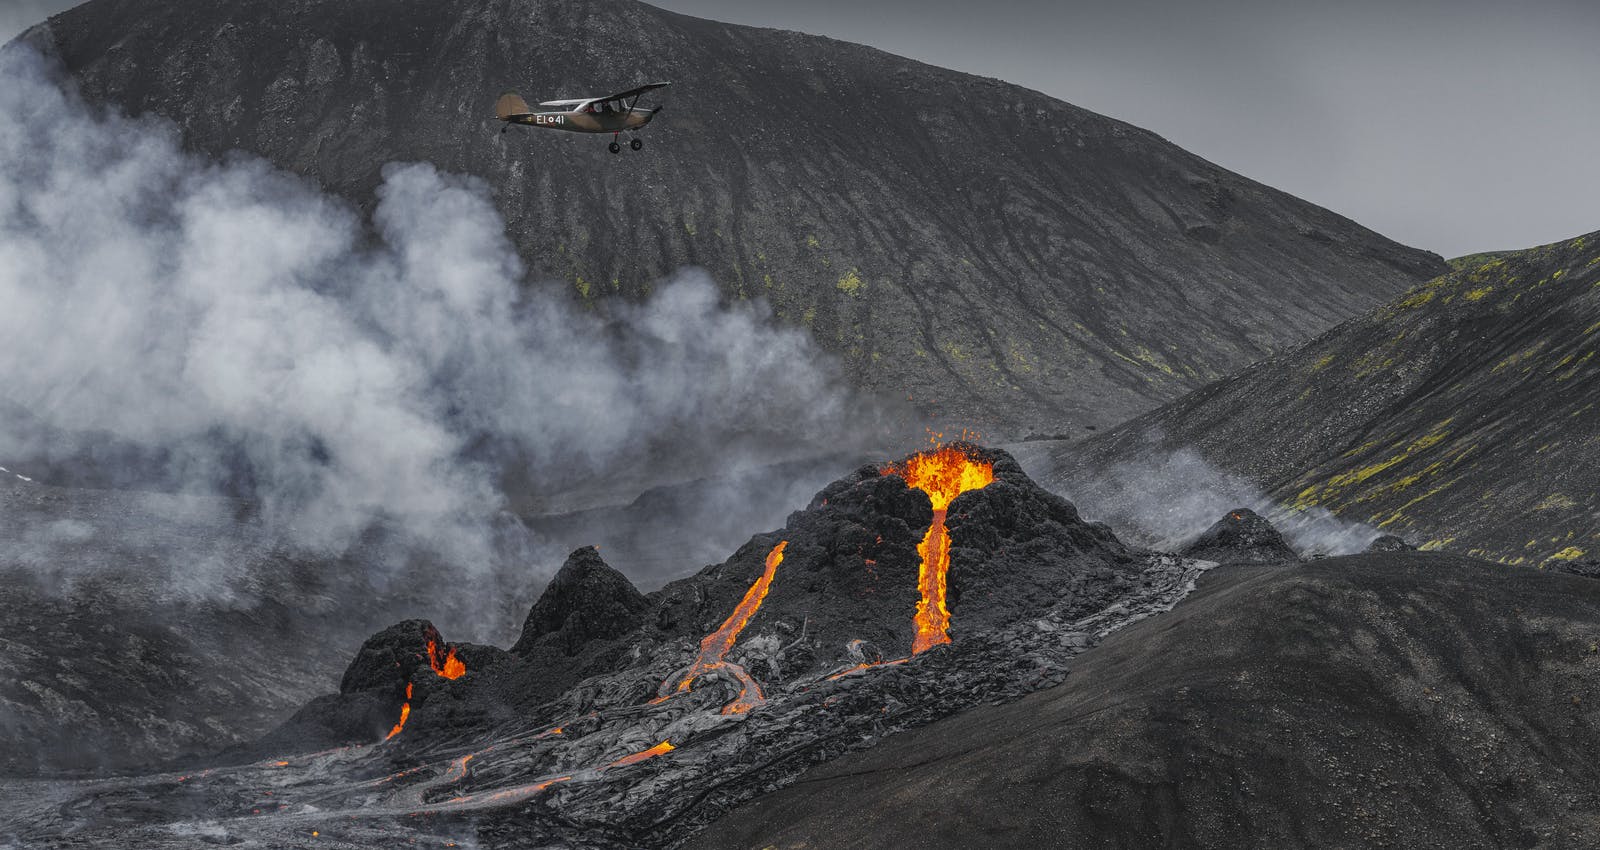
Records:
x=1242, y=536
x=587, y=600
x=390, y=658
x=1390, y=543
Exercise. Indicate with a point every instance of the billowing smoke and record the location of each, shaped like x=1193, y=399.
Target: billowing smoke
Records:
x=1166, y=497
x=224, y=329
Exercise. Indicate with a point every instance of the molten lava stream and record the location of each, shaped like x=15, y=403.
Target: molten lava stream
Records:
x=716, y=645
x=659, y=749
x=405, y=711
x=446, y=666
x=943, y=474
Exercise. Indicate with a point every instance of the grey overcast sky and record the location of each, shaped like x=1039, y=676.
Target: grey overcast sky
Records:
x=1452, y=125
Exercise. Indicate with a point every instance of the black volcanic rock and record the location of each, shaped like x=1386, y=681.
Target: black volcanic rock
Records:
x=390, y=658
x=986, y=250
x=851, y=564
x=392, y=668
x=815, y=658
x=587, y=600
x=330, y=720
x=1249, y=718
x=1242, y=536
x=1389, y=543
x=1460, y=415
x=1588, y=568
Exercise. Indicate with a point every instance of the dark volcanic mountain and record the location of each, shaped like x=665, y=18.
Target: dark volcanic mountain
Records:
x=1390, y=700
x=983, y=250
x=902, y=593
x=1460, y=415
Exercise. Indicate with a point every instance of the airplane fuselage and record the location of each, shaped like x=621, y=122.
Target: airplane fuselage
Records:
x=590, y=122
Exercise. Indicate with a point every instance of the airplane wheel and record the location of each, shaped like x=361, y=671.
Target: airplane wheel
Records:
x=636, y=144
x=615, y=148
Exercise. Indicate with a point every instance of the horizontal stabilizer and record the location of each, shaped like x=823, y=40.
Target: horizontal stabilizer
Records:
x=511, y=105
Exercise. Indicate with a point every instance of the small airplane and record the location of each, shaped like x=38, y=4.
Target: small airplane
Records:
x=614, y=114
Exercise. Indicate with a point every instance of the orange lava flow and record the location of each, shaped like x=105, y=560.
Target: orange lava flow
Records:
x=716, y=645
x=659, y=749
x=749, y=691
x=866, y=665
x=448, y=666
x=943, y=474
x=511, y=795
x=405, y=711
x=458, y=770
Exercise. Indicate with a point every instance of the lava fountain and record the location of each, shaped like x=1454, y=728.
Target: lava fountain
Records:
x=943, y=473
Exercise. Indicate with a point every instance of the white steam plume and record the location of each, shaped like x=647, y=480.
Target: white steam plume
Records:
x=1165, y=498
x=224, y=328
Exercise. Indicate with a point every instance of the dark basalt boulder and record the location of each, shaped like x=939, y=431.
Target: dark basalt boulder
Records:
x=1242, y=536
x=587, y=600
x=1390, y=543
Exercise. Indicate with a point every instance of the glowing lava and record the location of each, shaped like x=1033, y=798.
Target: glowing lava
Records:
x=405, y=711
x=659, y=749
x=445, y=664
x=449, y=666
x=715, y=646
x=943, y=474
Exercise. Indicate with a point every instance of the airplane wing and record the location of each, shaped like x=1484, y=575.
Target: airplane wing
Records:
x=580, y=102
x=635, y=92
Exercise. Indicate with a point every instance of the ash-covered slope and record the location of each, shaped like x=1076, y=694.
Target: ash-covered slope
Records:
x=1462, y=415
x=985, y=251
x=110, y=663
x=142, y=628
x=902, y=593
x=1390, y=700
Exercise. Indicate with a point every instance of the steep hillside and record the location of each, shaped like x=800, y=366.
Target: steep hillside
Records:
x=989, y=253
x=1414, y=700
x=1462, y=415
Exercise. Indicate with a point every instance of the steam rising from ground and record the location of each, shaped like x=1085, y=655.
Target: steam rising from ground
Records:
x=225, y=329
x=1165, y=498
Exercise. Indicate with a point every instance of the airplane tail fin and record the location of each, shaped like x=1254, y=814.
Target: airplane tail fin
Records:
x=510, y=104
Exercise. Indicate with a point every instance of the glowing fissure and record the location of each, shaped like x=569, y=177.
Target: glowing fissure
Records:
x=866, y=665
x=659, y=749
x=943, y=474
x=405, y=712
x=522, y=792
x=714, y=648
x=446, y=665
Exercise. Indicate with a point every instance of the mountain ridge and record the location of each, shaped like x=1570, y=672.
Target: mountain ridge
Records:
x=987, y=253
x=1455, y=414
